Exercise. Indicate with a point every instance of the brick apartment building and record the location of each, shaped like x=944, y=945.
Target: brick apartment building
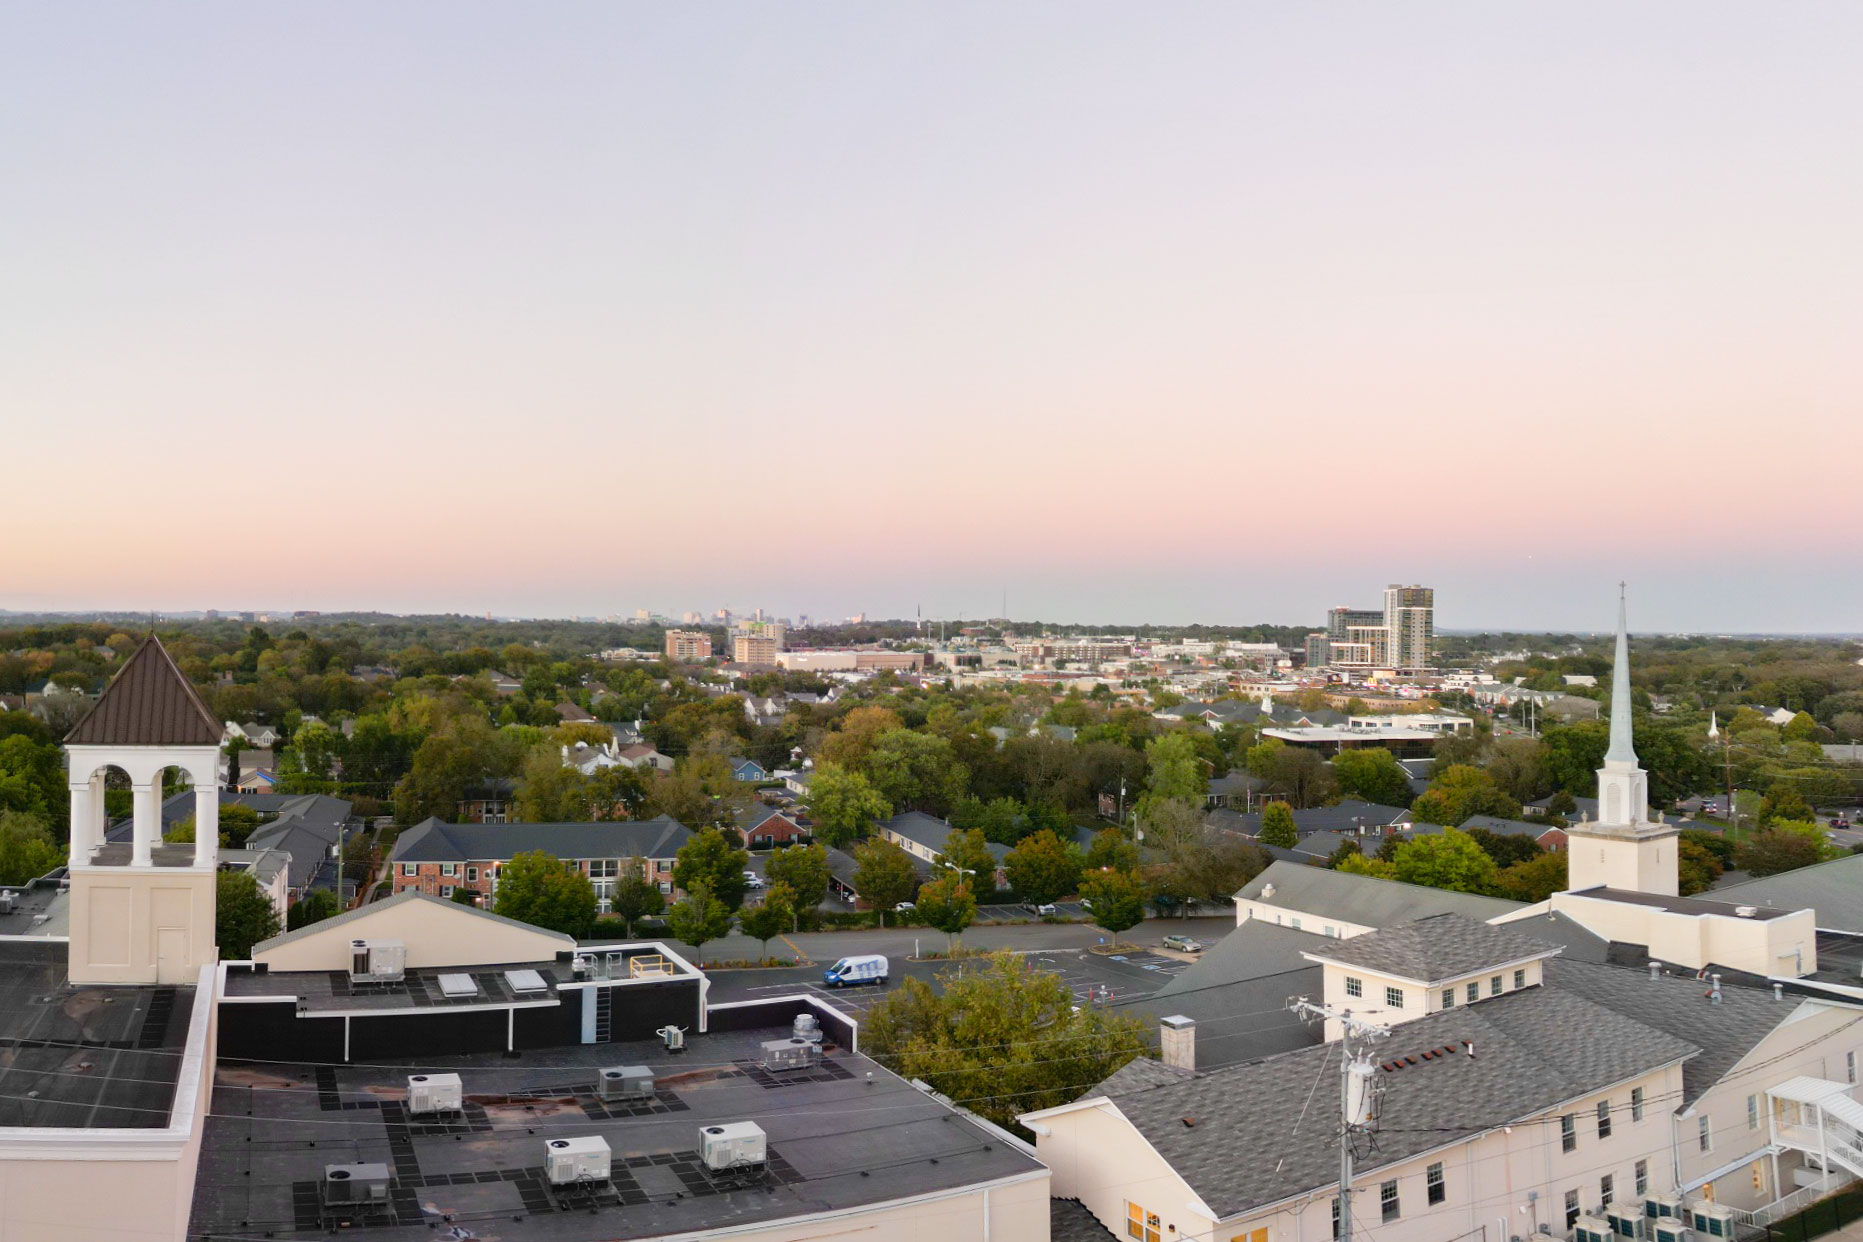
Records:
x=439, y=859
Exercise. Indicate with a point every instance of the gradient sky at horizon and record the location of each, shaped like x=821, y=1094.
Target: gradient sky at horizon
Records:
x=1219, y=312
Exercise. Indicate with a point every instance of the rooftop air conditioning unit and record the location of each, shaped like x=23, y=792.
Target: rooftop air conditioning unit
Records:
x=9, y=901
x=1711, y=1220
x=1671, y=1229
x=377, y=961
x=1658, y=1207
x=1591, y=1229
x=806, y=1027
x=567, y=1161
x=1626, y=1219
x=355, y=1185
x=788, y=1054
x=734, y=1145
x=625, y=1082
x=435, y=1093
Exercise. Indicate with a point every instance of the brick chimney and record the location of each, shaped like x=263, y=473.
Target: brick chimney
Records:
x=1177, y=1040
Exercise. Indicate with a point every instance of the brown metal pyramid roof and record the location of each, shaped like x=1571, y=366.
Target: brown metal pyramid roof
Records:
x=148, y=703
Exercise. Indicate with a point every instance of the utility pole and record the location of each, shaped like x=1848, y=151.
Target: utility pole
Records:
x=1358, y=1113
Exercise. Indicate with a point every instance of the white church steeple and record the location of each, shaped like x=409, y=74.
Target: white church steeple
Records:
x=1623, y=849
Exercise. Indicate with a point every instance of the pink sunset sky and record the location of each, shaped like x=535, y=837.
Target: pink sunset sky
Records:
x=1220, y=312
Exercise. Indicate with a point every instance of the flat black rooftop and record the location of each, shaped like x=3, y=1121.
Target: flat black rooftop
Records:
x=327, y=991
x=39, y=909
x=85, y=1057
x=836, y=1141
x=1681, y=905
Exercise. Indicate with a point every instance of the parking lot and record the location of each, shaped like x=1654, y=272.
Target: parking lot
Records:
x=1005, y=914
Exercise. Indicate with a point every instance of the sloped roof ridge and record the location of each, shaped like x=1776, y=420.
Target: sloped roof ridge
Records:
x=150, y=702
x=403, y=898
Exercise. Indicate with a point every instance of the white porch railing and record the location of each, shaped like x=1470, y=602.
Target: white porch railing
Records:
x=1793, y=1203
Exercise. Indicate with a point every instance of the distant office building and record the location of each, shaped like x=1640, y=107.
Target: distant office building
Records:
x=1410, y=622
x=688, y=646
x=1401, y=636
x=749, y=648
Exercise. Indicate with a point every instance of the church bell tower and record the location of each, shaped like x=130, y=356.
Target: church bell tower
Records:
x=1624, y=849
x=142, y=911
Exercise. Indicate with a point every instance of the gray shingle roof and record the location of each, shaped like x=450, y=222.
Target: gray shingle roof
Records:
x=1070, y=1221
x=1678, y=1004
x=1365, y=899
x=434, y=841
x=1253, y=970
x=1256, y=1139
x=1442, y=946
x=1347, y=816
x=1834, y=889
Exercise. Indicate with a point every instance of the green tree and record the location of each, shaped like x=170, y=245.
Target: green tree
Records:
x=804, y=869
x=710, y=858
x=1505, y=849
x=32, y=777
x=540, y=889
x=1461, y=791
x=916, y=771
x=1784, y=804
x=853, y=739
x=1574, y=753
x=968, y=851
x=635, y=896
x=1174, y=772
x=1784, y=845
x=947, y=903
x=1372, y=774
x=1187, y=862
x=317, y=905
x=1111, y=847
x=845, y=805
x=884, y=875
x=27, y=849
x=1116, y=898
x=468, y=753
x=1448, y=859
x=1801, y=728
x=1043, y=868
x=1534, y=879
x=769, y=918
x=1003, y=1040
x=1697, y=866
x=1278, y=827
x=1363, y=864
x=463, y=896
x=698, y=918
x=243, y=915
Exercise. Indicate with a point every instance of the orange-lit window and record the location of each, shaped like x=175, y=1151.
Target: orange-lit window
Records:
x=1142, y=1225
x=1253, y=1235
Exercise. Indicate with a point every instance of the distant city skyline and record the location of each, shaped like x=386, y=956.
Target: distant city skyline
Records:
x=1207, y=312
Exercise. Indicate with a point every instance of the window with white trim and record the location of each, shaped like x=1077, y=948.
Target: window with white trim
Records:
x=1571, y=1208
x=1607, y=1190
x=1435, y=1189
x=1704, y=1133
x=1753, y=1114
x=1636, y=1107
x=1394, y=997
x=1448, y=998
x=1568, y=1132
x=1520, y=978
x=1354, y=987
x=410, y=870
x=1604, y=1119
x=1387, y=1201
x=449, y=869
x=1142, y=1225
x=1474, y=991
x=1643, y=1177
x=1494, y=986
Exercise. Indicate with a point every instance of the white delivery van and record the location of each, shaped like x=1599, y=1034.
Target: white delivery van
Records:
x=867, y=968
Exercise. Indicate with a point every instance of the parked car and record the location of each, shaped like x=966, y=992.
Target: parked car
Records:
x=866, y=968
x=753, y=880
x=904, y=906
x=1183, y=944
x=1042, y=911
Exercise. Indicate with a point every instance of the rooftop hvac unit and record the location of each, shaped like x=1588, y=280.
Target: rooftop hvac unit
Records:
x=735, y=1145
x=1626, y=1219
x=1671, y=1229
x=1591, y=1229
x=9, y=901
x=567, y=1161
x=1658, y=1207
x=377, y=961
x=435, y=1093
x=788, y=1054
x=355, y=1185
x=675, y=1037
x=806, y=1027
x=625, y=1082
x=1710, y=1220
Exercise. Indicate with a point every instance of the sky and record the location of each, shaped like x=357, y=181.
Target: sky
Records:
x=1223, y=312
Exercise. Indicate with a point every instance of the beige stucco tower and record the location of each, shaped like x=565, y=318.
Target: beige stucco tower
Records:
x=1624, y=848
x=142, y=911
